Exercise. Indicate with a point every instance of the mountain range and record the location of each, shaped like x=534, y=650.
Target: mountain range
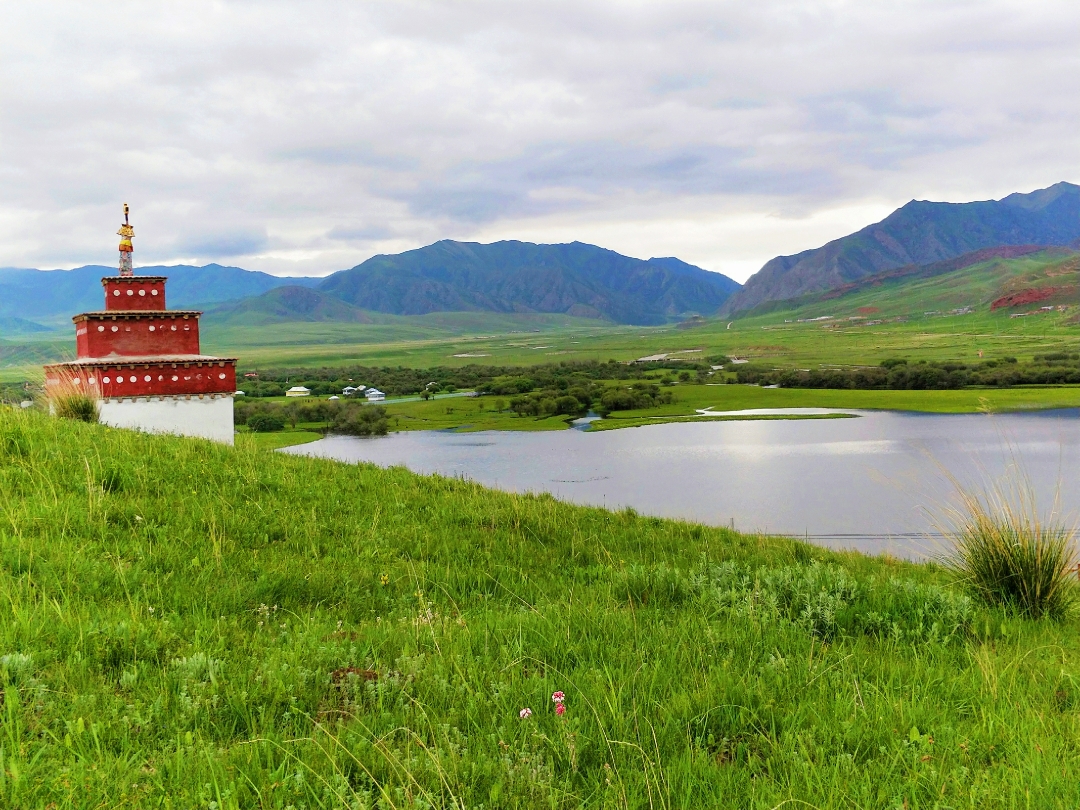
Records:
x=920, y=239
x=30, y=295
x=574, y=279
x=919, y=233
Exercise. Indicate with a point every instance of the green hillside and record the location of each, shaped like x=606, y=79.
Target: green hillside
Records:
x=285, y=305
x=918, y=233
x=195, y=626
x=1055, y=272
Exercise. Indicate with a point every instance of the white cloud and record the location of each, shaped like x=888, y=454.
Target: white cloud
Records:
x=302, y=138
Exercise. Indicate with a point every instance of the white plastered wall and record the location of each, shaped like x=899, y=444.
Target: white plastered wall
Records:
x=204, y=417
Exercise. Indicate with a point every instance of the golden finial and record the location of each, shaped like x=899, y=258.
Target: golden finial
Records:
x=125, y=233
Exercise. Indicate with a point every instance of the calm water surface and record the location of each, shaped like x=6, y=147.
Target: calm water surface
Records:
x=879, y=482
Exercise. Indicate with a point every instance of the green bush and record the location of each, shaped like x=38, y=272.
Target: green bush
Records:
x=364, y=420
x=265, y=422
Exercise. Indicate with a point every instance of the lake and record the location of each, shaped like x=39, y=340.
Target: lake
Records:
x=881, y=482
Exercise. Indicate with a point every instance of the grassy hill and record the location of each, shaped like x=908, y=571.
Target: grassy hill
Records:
x=285, y=305
x=990, y=286
x=194, y=626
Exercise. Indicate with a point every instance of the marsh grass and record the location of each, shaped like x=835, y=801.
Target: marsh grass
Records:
x=1004, y=551
x=184, y=625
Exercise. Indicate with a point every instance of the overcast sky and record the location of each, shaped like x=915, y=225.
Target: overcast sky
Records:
x=303, y=137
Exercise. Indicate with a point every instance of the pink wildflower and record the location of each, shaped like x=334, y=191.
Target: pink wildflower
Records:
x=560, y=709
x=558, y=697
x=525, y=713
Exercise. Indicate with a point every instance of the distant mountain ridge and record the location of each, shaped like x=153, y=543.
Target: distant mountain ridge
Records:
x=918, y=233
x=44, y=294
x=511, y=276
x=506, y=277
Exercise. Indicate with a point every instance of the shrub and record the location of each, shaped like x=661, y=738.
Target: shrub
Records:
x=1007, y=555
x=265, y=422
x=364, y=420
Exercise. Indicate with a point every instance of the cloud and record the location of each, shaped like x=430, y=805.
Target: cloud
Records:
x=223, y=245
x=301, y=138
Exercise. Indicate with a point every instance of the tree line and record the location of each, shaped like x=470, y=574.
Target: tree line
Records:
x=899, y=374
x=499, y=380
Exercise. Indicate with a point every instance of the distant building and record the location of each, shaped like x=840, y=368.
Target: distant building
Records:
x=352, y=390
x=374, y=395
x=298, y=391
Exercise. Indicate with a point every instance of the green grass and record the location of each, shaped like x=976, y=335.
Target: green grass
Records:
x=188, y=625
x=616, y=421
x=689, y=398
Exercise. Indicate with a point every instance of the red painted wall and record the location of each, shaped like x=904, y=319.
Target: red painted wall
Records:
x=134, y=293
x=99, y=335
x=109, y=380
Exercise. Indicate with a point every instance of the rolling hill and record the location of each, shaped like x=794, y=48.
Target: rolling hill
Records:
x=918, y=234
x=575, y=279
x=283, y=304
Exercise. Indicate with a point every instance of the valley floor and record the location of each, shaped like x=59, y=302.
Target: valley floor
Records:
x=470, y=414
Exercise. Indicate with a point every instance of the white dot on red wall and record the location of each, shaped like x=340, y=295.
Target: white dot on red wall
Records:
x=153, y=328
x=90, y=381
x=105, y=379
x=175, y=378
x=174, y=328
x=77, y=381
x=146, y=378
x=221, y=376
x=153, y=292
x=101, y=328
x=131, y=292
x=142, y=292
x=116, y=328
x=115, y=292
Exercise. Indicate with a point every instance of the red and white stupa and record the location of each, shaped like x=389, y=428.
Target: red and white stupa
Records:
x=143, y=363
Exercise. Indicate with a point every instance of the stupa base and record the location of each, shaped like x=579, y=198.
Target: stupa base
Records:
x=209, y=416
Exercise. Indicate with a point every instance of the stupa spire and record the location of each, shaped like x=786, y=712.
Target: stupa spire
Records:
x=125, y=233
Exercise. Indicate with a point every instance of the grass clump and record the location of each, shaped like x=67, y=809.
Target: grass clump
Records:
x=1008, y=555
x=70, y=400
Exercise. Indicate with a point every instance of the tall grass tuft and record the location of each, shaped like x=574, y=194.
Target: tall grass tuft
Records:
x=1008, y=555
x=68, y=400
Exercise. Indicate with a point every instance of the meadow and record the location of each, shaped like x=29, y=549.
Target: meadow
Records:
x=460, y=339
x=189, y=625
